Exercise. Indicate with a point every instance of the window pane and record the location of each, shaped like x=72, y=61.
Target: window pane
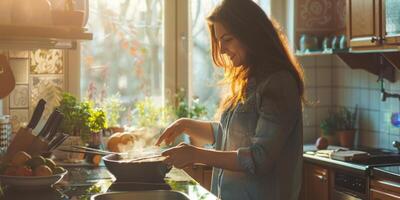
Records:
x=125, y=56
x=204, y=74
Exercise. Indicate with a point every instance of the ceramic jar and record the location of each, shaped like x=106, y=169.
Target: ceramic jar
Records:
x=308, y=43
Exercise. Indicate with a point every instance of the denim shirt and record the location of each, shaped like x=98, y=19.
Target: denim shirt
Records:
x=267, y=132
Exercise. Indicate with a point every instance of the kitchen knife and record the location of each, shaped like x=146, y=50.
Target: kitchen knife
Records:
x=57, y=141
x=37, y=114
x=46, y=128
x=54, y=127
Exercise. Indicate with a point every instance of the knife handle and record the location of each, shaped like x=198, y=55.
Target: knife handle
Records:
x=54, y=127
x=37, y=114
x=46, y=128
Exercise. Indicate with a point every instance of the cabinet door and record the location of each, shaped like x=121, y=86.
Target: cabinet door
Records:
x=381, y=195
x=363, y=23
x=391, y=22
x=316, y=182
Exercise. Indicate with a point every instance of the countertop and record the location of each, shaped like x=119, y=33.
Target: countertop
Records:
x=82, y=182
x=391, y=172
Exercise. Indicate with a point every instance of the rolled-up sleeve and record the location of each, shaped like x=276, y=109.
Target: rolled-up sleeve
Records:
x=279, y=108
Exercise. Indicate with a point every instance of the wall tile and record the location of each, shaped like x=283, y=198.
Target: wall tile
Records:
x=20, y=70
x=391, y=139
x=19, y=97
x=364, y=98
x=323, y=61
x=324, y=96
x=363, y=119
x=309, y=134
x=385, y=122
x=369, y=139
x=20, y=117
x=374, y=121
x=374, y=99
x=364, y=79
x=373, y=81
x=355, y=97
x=309, y=116
x=337, y=62
x=307, y=61
x=324, y=77
x=310, y=79
x=355, y=78
x=384, y=141
x=322, y=114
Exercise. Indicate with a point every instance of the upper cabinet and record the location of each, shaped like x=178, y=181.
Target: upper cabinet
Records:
x=391, y=22
x=373, y=24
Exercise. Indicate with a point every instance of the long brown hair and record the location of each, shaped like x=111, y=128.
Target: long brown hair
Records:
x=266, y=45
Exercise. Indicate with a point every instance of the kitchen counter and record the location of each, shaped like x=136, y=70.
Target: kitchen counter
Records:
x=82, y=182
x=391, y=172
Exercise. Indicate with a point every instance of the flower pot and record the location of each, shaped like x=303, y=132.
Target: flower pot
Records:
x=332, y=138
x=346, y=138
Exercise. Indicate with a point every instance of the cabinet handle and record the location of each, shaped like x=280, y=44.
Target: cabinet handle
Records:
x=322, y=178
x=373, y=39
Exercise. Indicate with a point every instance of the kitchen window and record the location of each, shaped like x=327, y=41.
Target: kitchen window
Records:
x=149, y=49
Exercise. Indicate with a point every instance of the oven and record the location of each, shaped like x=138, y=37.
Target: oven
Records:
x=348, y=186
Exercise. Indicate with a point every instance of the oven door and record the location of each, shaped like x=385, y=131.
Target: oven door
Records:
x=340, y=195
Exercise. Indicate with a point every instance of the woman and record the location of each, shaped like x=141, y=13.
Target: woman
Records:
x=258, y=141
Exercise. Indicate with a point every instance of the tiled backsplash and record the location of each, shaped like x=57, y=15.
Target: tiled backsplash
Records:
x=332, y=83
x=38, y=74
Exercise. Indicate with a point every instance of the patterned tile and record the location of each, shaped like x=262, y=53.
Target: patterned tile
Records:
x=19, y=118
x=47, y=87
x=46, y=62
x=20, y=70
x=19, y=97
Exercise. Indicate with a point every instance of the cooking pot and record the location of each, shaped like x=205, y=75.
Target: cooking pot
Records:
x=146, y=170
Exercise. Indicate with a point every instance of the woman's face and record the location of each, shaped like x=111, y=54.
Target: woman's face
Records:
x=230, y=45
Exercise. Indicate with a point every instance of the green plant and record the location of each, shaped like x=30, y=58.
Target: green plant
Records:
x=80, y=118
x=196, y=110
x=346, y=119
x=148, y=114
x=342, y=119
x=113, y=108
x=328, y=125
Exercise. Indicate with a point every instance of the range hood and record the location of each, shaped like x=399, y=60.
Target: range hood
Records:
x=33, y=37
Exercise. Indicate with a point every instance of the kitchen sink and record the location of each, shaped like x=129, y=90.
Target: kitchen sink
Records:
x=142, y=195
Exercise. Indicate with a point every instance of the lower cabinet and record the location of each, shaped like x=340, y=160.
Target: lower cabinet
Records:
x=383, y=189
x=315, y=182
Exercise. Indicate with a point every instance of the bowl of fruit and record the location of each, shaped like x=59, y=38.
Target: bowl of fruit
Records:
x=26, y=172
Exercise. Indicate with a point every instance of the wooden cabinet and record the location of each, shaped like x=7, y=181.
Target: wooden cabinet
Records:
x=373, y=24
x=383, y=189
x=315, y=182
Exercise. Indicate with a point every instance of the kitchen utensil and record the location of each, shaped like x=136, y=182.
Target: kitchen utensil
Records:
x=93, y=149
x=7, y=80
x=54, y=128
x=37, y=114
x=32, y=182
x=83, y=151
x=57, y=141
x=148, y=171
x=47, y=127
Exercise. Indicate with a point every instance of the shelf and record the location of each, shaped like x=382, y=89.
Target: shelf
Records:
x=59, y=37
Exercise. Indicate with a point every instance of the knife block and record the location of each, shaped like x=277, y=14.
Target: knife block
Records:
x=25, y=140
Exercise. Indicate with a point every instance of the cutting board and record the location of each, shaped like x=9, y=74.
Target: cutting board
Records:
x=349, y=155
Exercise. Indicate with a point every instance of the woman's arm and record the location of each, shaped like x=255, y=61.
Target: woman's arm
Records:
x=200, y=132
x=183, y=155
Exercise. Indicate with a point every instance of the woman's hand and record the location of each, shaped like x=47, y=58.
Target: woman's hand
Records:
x=171, y=132
x=180, y=156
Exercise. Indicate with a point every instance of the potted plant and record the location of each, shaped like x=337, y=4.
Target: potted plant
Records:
x=82, y=122
x=345, y=126
x=113, y=108
x=328, y=129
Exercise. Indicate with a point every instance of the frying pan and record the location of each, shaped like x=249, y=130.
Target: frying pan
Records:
x=140, y=171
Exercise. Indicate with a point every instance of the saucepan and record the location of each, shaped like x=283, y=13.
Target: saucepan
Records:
x=149, y=168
